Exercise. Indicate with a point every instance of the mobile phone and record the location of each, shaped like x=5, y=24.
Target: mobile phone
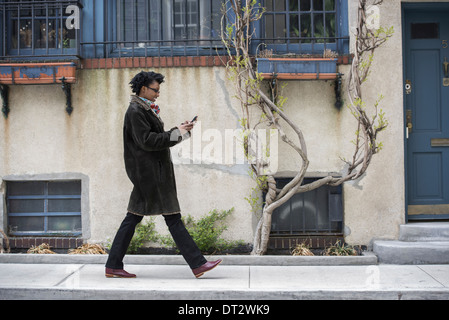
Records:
x=194, y=119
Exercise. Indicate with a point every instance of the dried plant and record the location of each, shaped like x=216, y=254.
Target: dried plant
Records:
x=88, y=249
x=43, y=248
x=302, y=249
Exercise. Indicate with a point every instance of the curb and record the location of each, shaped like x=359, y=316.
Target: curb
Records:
x=368, y=258
x=262, y=295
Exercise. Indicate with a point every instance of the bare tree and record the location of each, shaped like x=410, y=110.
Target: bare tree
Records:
x=237, y=22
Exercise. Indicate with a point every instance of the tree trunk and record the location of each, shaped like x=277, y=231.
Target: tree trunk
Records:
x=263, y=230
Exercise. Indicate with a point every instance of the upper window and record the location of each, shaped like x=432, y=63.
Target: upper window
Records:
x=38, y=28
x=170, y=27
x=303, y=26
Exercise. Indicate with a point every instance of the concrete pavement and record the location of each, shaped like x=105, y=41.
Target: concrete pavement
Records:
x=239, y=277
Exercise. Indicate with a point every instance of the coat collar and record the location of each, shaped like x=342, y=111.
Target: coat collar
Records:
x=143, y=104
x=136, y=99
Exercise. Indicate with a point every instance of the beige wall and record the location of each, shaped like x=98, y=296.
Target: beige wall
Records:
x=40, y=138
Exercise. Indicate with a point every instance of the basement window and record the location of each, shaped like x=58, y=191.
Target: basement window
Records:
x=44, y=208
x=319, y=211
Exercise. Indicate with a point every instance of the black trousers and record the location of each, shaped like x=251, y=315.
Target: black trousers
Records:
x=183, y=240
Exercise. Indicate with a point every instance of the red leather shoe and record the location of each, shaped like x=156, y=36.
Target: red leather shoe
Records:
x=118, y=273
x=208, y=266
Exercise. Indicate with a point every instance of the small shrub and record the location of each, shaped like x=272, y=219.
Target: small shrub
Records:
x=206, y=232
x=144, y=232
x=340, y=249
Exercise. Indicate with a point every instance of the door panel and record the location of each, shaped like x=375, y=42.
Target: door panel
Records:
x=428, y=173
x=427, y=110
x=426, y=103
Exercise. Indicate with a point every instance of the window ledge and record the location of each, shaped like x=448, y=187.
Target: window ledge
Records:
x=298, y=68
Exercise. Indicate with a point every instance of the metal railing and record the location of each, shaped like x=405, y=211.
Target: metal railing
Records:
x=161, y=48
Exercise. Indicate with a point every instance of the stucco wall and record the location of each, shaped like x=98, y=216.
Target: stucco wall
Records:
x=40, y=138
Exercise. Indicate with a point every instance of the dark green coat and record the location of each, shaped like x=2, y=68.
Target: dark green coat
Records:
x=148, y=161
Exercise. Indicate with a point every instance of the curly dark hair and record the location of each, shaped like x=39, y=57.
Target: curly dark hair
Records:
x=145, y=79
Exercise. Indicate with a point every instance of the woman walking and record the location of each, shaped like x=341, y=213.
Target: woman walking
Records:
x=150, y=169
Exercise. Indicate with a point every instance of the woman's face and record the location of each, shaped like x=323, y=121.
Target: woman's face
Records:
x=150, y=92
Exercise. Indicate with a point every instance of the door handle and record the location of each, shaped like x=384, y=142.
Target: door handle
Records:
x=408, y=121
x=446, y=73
x=446, y=68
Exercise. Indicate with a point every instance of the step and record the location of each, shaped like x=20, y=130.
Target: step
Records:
x=424, y=231
x=402, y=252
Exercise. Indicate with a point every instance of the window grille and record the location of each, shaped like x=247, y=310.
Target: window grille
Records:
x=169, y=27
x=319, y=211
x=303, y=26
x=37, y=28
x=42, y=208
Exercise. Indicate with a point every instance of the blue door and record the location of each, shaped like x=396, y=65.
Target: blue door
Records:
x=427, y=112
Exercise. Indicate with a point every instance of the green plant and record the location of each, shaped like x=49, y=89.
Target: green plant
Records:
x=340, y=249
x=144, y=232
x=206, y=232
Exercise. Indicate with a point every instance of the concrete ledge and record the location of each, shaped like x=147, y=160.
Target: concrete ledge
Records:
x=368, y=258
x=123, y=294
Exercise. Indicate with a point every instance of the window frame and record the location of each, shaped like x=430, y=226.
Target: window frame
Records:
x=45, y=213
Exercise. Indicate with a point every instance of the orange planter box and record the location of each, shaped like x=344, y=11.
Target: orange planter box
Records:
x=37, y=73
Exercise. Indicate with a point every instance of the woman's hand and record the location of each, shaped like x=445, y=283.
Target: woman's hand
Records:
x=186, y=126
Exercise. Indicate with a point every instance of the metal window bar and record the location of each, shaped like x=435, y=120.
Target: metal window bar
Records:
x=46, y=29
x=60, y=28
x=18, y=29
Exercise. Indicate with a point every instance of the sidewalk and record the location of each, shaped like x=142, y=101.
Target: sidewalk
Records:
x=238, y=277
